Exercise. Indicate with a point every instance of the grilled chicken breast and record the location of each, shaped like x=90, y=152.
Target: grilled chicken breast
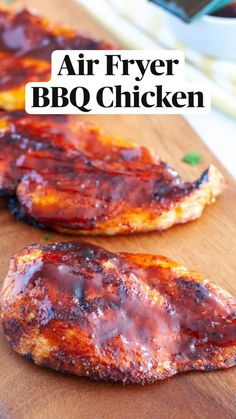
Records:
x=26, y=44
x=72, y=177
x=136, y=318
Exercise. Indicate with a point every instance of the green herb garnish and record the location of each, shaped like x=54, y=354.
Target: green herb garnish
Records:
x=46, y=238
x=192, y=158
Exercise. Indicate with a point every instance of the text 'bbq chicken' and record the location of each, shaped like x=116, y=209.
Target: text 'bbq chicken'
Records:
x=72, y=177
x=26, y=43
x=135, y=318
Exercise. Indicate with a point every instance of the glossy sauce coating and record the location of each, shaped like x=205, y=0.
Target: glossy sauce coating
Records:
x=134, y=318
x=52, y=144
x=73, y=177
x=26, y=43
x=83, y=200
x=27, y=34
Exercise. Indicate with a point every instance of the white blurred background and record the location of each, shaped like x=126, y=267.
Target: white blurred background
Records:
x=138, y=24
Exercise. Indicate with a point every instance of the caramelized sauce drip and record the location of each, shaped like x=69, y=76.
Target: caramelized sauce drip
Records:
x=26, y=34
x=26, y=44
x=70, y=174
x=130, y=314
x=84, y=199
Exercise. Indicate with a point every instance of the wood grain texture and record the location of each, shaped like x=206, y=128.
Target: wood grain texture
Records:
x=207, y=245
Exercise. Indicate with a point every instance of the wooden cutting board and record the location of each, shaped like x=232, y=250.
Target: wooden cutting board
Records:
x=208, y=245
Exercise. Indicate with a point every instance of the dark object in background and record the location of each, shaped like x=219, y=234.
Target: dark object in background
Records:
x=191, y=10
x=227, y=11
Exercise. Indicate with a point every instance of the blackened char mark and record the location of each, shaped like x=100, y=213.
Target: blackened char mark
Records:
x=203, y=179
x=19, y=213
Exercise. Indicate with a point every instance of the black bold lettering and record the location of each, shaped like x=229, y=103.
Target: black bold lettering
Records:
x=43, y=96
